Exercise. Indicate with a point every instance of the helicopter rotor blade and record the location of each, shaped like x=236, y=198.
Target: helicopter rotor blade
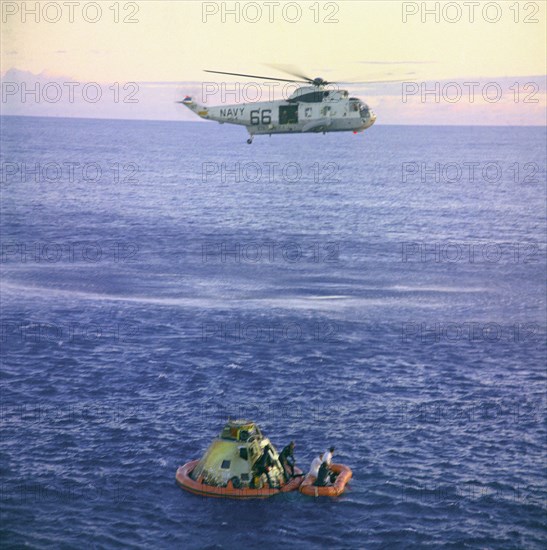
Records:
x=289, y=69
x=379, y=77
x=256, y=76
x=373, y=81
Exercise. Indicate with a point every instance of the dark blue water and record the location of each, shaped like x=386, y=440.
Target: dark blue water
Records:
x=173, y=276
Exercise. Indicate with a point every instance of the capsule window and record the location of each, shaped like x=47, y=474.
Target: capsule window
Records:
x=225, y=465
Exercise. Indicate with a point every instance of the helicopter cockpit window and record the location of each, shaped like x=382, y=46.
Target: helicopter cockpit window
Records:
x=353, y=106
x=325, y=111
x=310, y=97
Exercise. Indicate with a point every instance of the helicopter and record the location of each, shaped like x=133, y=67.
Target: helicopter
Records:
x=309, y=109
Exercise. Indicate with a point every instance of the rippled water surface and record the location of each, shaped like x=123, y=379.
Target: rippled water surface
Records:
x=177, y=276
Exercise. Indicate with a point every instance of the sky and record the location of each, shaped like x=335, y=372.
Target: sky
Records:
x=164, y=46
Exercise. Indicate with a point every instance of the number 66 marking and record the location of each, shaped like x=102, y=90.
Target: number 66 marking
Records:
x=265, y=114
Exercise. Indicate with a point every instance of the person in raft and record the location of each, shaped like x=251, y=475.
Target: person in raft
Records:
x=286, y=457
x=327, y=457
x=315, y=465
x=264, y=464
x=323, y=476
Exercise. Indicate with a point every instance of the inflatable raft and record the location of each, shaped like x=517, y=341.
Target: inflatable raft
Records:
x=197, y=487
x=240, y=463
x=344, y=474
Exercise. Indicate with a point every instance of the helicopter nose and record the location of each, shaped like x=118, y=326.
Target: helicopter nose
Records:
x=371, y=119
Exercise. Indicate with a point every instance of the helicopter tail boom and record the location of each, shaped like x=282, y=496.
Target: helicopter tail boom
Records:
x=200, y=110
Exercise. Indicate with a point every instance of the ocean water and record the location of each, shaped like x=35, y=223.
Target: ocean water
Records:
x=383, y=293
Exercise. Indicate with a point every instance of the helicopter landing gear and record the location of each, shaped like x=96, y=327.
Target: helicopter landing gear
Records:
x=250, y=140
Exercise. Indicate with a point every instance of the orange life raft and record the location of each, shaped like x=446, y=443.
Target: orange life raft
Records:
x=344, y=474
x=229, y=491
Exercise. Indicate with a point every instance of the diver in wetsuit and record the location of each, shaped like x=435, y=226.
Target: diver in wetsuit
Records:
x=323, y=477
x=286, y=457
x=263, y=465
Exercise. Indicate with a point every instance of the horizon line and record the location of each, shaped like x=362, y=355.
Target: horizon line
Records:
x=542, y=125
